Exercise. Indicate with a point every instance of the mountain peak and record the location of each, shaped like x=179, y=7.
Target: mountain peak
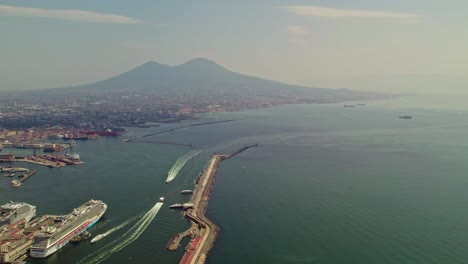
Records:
x=201, y=63
x=153, y=64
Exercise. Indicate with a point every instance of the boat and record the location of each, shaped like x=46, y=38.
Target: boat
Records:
x=349, y=105
x=74, y=156
x=96, y=238
x=60, y=229
x=161, y=199
x=176, y=206
x=13, y=212
x=83, y=236
x=405, y=117
x=186, y=192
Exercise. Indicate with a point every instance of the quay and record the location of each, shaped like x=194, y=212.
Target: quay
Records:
x=24, y=177
x=202, y=231
x=47, y=147
x=52, y=161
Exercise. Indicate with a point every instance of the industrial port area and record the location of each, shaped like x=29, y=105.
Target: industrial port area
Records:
x=22, y=234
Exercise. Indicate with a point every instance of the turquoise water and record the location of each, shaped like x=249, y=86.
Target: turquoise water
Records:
x=327, y=184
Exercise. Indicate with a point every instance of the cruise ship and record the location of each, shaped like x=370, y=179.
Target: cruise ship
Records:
x=59, y=230
x=13, y=212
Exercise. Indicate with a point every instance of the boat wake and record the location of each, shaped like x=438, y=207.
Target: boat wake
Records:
x=179, y=164
x=128, y=237
x=110, y=231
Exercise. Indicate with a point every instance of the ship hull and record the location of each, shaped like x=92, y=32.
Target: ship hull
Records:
x=48, y=249
x=23, y=213
x=44, y=253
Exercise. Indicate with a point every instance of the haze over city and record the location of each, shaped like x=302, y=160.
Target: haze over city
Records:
x=387, y=46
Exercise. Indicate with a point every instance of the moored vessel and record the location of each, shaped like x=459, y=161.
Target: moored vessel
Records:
x=13, y=212
x=60, y=229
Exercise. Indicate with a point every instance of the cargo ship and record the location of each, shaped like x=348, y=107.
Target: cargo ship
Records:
x=59, y=230
x=405, y=117
x=14, y=212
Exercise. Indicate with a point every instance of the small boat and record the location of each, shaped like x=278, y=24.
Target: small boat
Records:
x=161, y=199
x=96, y=238
x=78, y=238
x=186, y=192
x=176, y=206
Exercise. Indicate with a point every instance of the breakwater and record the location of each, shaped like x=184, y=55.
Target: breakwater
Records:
x=202, y=231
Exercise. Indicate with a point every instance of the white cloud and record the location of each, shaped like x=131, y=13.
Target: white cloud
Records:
x=67, y=14
x=299, y=41
x=297, y=31
x=307, y=10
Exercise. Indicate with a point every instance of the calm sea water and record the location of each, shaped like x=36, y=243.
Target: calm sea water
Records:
x=327, y=184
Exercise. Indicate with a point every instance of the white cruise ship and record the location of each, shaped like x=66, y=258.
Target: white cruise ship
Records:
x=14, y=212
x=59, y=230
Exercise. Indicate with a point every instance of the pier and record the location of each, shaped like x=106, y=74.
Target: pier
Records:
x=24, y=177
x=52, y=161
x=203, y=232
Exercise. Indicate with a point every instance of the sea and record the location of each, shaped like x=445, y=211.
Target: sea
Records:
x=326, y=184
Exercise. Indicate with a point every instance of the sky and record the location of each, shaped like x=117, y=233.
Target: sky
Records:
x=414, y=46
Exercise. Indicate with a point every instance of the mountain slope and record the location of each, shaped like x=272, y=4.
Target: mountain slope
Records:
x=200, y=78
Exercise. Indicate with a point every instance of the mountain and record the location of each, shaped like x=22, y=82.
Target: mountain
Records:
x=203, y=78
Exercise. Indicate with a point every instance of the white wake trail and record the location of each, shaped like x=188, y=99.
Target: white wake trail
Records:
x=103, y=235
x=179, y=164
x=128, y=237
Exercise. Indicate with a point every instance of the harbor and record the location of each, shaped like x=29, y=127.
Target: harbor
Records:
x=47, y=147
x=22, y=177
x=24, y=235
x=52, y=161
x=203, y=231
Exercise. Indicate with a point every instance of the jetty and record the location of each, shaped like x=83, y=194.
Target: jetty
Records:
x=22, y=177
x=202, y=231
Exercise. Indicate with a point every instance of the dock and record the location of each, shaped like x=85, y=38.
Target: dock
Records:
x=52, y=161
x=203, y=232
x=20, y=180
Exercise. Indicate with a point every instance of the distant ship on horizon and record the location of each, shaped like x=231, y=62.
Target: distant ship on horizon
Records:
x=405, y=117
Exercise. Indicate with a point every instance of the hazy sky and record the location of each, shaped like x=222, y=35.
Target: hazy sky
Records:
x=382, y=45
